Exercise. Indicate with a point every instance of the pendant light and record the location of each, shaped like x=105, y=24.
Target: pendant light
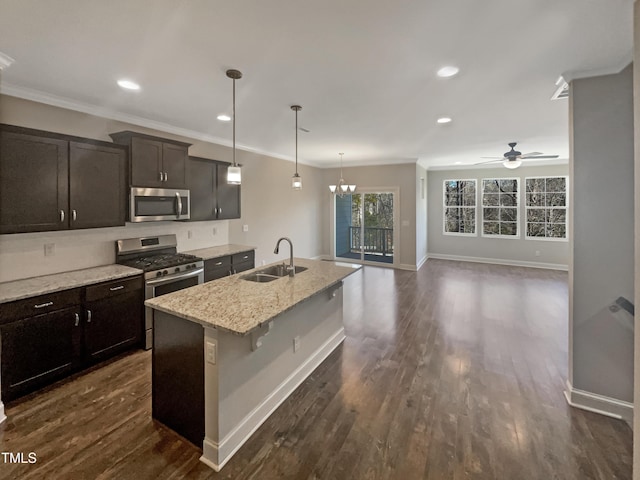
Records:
x=234, y=173
x=342, y=187
x=296, y=180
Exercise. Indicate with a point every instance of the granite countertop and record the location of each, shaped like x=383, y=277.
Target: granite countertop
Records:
x=240, y=306
x=219, y=251
x=31, y=287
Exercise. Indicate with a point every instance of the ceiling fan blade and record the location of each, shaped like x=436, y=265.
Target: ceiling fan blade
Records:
x=531, y=154
x=539, y=157
x=490, y=161
x=492, y=157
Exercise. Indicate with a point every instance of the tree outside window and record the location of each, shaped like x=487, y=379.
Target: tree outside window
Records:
x=546, y=207
x=500, y=207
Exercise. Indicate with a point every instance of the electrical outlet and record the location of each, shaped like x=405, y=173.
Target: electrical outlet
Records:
x=211, y=353
x=215, y=231
x=537, y=253
x=296, y=344
x=189, y=234
x=245, y=228
x=264, y=262
x=49, y=249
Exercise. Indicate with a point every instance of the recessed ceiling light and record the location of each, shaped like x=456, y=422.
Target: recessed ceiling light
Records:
x=448, y=71
x=444, y=120
x=224, y=118
x=458, y=163
x=128, y=85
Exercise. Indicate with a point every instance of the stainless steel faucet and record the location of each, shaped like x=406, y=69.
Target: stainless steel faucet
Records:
x=291, y=269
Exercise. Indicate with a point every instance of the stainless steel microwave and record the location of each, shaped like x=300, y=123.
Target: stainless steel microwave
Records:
x=158, y=204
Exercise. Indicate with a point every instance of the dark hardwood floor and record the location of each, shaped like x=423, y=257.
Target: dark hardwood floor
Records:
x=454, y=372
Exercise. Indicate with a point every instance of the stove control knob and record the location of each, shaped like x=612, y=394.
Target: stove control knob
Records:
x=187, y=267
x=158, y=274
x=164, y=272
x=177, y=269
x=193, y=265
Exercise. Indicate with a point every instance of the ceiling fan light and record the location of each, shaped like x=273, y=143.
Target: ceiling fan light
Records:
x=511, y=164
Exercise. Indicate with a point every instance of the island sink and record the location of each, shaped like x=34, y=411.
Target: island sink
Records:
x=271, y=273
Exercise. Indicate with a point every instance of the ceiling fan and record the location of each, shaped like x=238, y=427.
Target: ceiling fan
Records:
x=513, y=158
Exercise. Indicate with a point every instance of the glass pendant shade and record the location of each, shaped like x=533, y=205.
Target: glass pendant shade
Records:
x=234, y=175
x=332, y=188
x=511, y=164
x=344, y=188
x=352, y=188
x=296, y=182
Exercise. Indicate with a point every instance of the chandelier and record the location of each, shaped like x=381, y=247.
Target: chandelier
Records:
x=342, y=187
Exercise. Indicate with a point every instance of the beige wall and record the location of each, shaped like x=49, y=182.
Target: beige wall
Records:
x=401, y=176
x=636, y=103
x=269, y=207
x=517, y=251
x=421, y=214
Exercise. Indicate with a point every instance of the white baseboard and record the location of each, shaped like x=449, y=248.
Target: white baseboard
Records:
x=3, y=417
x=406, y=266
x=422, y=261
x=499, y=261
x=595, y=403
x=216, y=455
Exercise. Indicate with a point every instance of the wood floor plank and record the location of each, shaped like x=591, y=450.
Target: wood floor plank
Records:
x=453, y=372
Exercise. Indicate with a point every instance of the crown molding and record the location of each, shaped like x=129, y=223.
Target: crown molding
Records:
x=5, y=61
x=103, y=112
x=617, y=67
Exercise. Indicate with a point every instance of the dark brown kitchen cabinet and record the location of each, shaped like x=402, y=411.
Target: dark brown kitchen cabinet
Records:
x=47, y=337
x=51, y=182
x=155, y=162
x=220, y=267
x=41, y=347
x=212, y=198
x=113, y=318
x=34, y=183
x=97, y=185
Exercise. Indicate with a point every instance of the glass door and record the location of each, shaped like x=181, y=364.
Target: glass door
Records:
x=364, y=227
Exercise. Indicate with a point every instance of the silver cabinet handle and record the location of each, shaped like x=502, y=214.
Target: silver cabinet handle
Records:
x=162, y=176
x=166, y=177
x=62, y=215
x=74, y=215
x=220, y=210
x=218, y=263
x=42, y=305
x=246, y=256
x=77, y=319
x=119, y=287
x=88, y=316
x=179, y=199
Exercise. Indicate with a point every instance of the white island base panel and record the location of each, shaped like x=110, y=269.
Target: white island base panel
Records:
x=252, y=375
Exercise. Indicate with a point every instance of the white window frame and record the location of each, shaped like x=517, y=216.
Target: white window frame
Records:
x=566, y=207
x=445, y=206
x=518, y=202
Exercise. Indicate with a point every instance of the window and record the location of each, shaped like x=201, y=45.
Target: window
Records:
x=460, y=207
x=546, y=206
x=500, y=207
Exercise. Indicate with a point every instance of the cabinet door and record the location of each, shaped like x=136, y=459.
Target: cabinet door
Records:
x=202, y=189
x=113, y=324
x=228, y=196
x=97, y=189
x=33, y=183
x=215, y=268
x=175, y=165
x=38, y=350
x=146, y=162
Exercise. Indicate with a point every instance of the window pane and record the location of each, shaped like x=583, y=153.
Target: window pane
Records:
x=535, y=199
x=469, y=219
x=491, y=214
x=558, y=184
x=557, y=215
x=535, y=185
x=452, y=199
x=508, y=229
x=535, y=230
x=536, y=215
x=508, y=215
x=557, y=231
x=469, y=199
x=490, y=199
x=490, y=186
x=491, y=228
x=509, y=199
x=470, y=188
x=509, y=185
x=451, y=220
x=556, y=199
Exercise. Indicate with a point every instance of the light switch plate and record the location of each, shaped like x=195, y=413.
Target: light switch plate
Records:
x=296, y=344
x=211, y=353
x=49, y=249
x=245, y=228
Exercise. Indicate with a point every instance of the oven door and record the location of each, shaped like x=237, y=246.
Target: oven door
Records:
x=157, y=204
x=160, y=286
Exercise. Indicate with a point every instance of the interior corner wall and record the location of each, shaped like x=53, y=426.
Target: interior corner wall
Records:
x=636, y=104
x=602, y=173
x=516, y=251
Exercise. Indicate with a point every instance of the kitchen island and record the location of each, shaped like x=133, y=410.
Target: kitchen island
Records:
x=227, y=353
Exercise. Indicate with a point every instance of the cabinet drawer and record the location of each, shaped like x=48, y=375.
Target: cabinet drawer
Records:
x=113, y=288
x=219, y=262
x=29, y=307
x=244, y=257
x=242, y=267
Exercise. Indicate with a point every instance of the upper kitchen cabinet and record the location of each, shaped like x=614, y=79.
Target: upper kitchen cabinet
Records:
x=155, y=162
x=212, y=198
x=51, y=182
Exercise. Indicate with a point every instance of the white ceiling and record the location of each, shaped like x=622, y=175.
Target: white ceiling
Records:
x=363, y=70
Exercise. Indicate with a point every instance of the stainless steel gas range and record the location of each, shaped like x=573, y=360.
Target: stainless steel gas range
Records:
x=165, y=270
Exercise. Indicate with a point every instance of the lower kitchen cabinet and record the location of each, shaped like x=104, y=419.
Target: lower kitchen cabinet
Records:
x=47, y=337
x=220, y=267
